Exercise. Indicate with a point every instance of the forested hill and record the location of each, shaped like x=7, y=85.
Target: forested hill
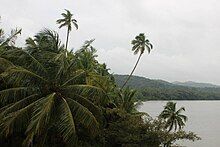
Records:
x=195, y=84
x=149, y=89
x=141, y=82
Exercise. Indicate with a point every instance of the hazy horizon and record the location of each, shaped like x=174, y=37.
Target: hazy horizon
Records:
x=185, y=34
x=170, y=81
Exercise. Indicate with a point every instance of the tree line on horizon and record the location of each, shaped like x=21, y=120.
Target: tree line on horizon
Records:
x=50, y=96
x=148, y=89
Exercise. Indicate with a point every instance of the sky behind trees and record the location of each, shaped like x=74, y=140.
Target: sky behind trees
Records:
x=185, y=33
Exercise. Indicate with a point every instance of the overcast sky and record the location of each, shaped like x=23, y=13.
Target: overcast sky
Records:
x=185, y=33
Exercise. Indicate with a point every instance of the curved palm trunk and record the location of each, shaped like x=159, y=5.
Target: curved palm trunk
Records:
x=67, y=39
x=132, y=71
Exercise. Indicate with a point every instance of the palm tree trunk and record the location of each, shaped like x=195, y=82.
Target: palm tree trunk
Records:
x=67, y=39
x=132, y=71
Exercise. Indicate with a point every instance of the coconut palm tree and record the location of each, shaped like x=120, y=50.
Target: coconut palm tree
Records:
x=45, y=92
x=173, y=117
x=140, y=43
x=67, y=21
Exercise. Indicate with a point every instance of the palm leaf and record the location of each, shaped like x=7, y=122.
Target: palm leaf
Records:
x=4, y=64
x=40, y=117
x=180, y=110
x=8, y=123
x=84, y=116
x=22, y=72
x=78, y=73
x=4, y=94
x=17, y=105
x=66, y=124
x=96, y=111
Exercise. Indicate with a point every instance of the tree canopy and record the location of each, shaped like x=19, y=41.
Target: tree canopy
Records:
x=51, y=96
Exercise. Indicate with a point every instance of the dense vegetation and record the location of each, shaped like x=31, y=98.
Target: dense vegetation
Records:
x=50, y=96
x=161, y=90
x=196, y=84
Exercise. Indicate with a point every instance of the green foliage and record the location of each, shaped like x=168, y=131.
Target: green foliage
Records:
x=148, y=89
x=142, y=130
x=130, y=130
x=173, y=117
x=67, y=20
x=50, y=96
x=39, y=81
x=140, y=43
x=126, y=101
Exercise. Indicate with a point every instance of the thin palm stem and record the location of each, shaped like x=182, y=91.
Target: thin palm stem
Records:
x=132, y=71
x=67, y=39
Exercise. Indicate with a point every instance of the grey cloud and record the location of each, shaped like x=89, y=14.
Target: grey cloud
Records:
x=185, y=33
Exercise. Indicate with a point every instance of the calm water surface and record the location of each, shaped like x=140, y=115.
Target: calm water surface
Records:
x=203, y=119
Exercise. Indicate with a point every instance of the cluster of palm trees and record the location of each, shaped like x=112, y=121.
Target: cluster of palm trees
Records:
x=140, y=43
x=50, y=95
x=45, y=88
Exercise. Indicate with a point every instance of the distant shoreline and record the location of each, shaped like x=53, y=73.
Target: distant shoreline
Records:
x=180, y=100
x=148, y=89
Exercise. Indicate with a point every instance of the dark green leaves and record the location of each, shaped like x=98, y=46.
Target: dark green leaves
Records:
x=173, y=117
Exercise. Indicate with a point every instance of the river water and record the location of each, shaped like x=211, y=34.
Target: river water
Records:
x=203, y=119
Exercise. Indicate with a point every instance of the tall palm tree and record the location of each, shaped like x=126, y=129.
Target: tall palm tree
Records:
x=45, y=93
x=173, y=116
x=140, y=43
x=67, y=21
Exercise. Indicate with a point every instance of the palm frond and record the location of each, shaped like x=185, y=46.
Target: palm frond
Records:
x=66, y=124
x=17, y=118
x=183, y=117
x=11, y=39
x=84, y=88
x=96, y=111
x=61, y=21
x=75, y=24
x=9, y=95
x=30, y=43
x=17, y=105
x=40, y=117
x=84, y=116
x=63, y=24
x=19, y=72
x=4, y=64
x=78, y=73
x=180, y=110
x=26, y=59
